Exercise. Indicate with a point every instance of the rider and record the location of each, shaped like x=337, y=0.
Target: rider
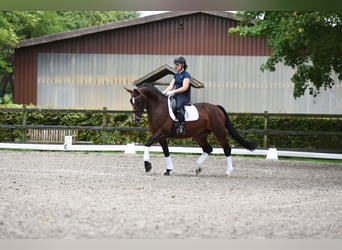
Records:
x=180, y=88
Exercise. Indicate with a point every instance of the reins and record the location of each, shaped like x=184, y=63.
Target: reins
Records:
x=142, y=106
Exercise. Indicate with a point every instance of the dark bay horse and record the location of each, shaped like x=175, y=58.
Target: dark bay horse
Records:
x=212, y=119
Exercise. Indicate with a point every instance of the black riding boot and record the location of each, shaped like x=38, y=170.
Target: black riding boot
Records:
x=181, y=121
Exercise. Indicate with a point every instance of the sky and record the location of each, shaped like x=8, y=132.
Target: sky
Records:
x=147, y=13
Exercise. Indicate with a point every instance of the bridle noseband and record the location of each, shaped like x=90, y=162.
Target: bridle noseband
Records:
x=134, y=100
x=138, y=106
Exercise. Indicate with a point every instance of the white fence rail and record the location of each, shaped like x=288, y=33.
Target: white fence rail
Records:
x=131, y=148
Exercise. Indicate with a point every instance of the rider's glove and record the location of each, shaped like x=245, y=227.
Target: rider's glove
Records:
x=170, y=93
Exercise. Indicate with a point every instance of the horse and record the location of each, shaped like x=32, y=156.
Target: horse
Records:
x=212, y=119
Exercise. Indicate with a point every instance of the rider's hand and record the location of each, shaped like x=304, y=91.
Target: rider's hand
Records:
x=170, y=93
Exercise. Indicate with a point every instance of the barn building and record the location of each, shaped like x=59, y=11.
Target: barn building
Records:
x=88, y=68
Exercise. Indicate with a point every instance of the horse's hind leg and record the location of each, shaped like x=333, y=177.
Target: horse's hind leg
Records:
x=221, y=136
x=228, y=154
x=207, y=149
x=168, y=160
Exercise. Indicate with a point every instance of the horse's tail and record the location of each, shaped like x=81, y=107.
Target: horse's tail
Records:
x=247, y=144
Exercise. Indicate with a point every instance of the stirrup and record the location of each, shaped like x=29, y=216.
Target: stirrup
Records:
x=181, y=129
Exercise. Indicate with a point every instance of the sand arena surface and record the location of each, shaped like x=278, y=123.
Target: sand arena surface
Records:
x=108, y=195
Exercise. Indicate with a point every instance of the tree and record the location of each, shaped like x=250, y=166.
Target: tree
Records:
x=310, y=42
x=19, y=25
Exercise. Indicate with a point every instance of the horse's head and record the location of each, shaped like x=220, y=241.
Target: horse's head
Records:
x=137, y=102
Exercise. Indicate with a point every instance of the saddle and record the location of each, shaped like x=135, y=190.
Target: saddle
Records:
x=191, y=112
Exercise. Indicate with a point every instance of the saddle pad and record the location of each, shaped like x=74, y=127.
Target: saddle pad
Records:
x=191, y=113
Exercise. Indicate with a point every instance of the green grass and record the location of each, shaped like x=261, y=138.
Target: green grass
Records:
x=318, y=160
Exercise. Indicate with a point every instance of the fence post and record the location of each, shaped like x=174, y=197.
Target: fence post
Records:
x=104, y=135
x=104, y=117
x=24, y=123
x=265, y=128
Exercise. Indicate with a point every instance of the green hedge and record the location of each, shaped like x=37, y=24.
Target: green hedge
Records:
x=240, y=121
x=294, y=123
x=81, y=118
x=306, y=124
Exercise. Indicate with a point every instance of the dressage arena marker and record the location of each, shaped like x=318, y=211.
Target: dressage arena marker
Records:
x=130, y=148
x=272, y=154
x=67, y=142
x=158, y=149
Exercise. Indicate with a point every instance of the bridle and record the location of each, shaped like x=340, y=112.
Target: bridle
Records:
x=138, y=107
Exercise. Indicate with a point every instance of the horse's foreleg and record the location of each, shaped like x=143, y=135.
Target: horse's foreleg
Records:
x=148, y=165
x=154, y=138
x=202, y=158
x=168, y=160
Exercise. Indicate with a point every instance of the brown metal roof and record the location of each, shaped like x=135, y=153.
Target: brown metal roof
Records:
x=118, y=25
x=162, y=71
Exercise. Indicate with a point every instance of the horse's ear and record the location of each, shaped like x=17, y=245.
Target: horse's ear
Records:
x=128, y=90
x=139, y=93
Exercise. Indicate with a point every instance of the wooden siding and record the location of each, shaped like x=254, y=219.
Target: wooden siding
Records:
x=197, y=33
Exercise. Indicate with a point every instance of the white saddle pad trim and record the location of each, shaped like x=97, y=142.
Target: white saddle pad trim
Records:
x=191, y=112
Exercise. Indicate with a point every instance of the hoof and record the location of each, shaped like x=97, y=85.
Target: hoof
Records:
x=198, y=171
x=167, y=172
x=148, y=166
x=227, y=174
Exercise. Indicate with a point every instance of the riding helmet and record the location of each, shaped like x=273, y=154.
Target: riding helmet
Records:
x=180, y=60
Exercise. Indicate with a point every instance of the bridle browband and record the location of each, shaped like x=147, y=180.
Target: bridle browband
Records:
x=133, y=101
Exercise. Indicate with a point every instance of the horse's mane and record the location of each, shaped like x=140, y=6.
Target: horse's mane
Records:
x=150, y=87
x=145, y=84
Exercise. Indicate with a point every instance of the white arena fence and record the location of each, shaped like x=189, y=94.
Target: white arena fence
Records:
x=131, y=148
